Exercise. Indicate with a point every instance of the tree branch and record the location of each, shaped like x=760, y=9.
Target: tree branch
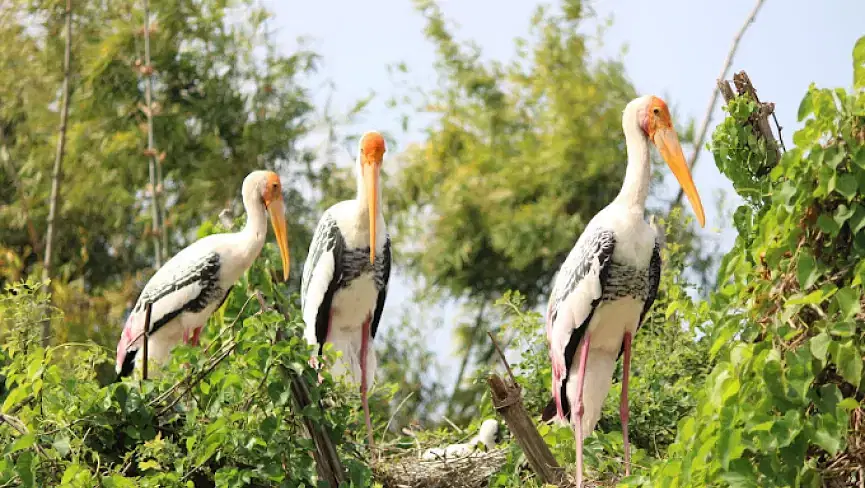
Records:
x=155, y=171
x=58, y=162
x=707, y=117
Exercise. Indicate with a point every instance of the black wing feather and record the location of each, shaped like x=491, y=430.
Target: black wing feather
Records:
x=326, y=239
x=601, y=246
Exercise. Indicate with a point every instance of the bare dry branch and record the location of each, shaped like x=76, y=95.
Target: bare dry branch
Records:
x=58, y=166
x=707, y=117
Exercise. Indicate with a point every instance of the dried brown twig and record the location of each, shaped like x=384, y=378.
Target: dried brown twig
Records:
x=713, y=100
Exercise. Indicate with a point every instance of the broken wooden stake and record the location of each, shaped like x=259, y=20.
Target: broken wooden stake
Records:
x=508, y=401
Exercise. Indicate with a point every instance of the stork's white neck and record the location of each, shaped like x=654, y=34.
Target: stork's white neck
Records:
x=635, y=188
x=255, y=230
x=363, y=205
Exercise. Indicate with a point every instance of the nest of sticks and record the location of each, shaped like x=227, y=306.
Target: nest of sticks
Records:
x=408, y=470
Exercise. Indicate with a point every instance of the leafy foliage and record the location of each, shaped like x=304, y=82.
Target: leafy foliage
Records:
x=786, y=325
x=221, y=416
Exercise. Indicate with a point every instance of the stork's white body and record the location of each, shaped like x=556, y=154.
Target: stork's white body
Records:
x=609, y=281
x=635, y=242
x=188, y=288
x=346, y=275
x=234, y=253
x=351, y=305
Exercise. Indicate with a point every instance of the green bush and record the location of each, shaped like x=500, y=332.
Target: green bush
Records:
x=223, y=416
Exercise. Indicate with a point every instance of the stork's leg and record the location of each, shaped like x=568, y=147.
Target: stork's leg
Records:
x=623, y=406
x=196, y=332
x=577, y=408
x=364, y=347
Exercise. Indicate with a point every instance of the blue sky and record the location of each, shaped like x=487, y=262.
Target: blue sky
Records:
x=675, y=49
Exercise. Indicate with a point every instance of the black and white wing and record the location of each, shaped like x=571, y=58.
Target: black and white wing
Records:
x=322, y=273
x=577, y=291
x=654, y=281
x=382, y=280
x=189, y=282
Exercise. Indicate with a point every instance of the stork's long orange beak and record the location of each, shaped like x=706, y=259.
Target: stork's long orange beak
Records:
x=276, y=209
x=667, y=142
x=372, y=148
x=370, y=180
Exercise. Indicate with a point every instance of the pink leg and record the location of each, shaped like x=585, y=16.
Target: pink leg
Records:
x=577, y=408
x=623, y=406
x=364, y=346
x=196, y=332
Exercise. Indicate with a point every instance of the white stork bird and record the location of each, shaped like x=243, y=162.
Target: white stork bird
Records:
x=197, y=280
x=609, y=281
x=346, y=274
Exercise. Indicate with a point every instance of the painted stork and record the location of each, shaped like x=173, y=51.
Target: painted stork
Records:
x=609, y=281
x=197, y=280
x=346, y=274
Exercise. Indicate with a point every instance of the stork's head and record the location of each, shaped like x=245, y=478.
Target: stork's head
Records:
x=370, y=155
x=264, y=187
x=653, y=118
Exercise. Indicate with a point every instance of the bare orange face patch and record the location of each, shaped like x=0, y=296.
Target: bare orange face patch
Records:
x=657, y=117
x=372, y=148
x=272, y=187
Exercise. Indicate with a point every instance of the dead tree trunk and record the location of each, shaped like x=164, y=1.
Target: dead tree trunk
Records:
x=58, y=165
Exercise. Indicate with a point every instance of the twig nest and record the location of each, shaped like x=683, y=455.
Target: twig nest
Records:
x=407, y=470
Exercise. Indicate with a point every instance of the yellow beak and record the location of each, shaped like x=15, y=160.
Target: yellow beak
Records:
x=667, y=142
x=277, y=219
x=370, y=180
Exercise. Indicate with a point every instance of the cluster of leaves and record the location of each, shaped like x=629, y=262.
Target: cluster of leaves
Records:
x=220, y=415
x=787, y=329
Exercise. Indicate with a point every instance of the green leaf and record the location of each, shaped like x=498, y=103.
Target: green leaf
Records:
x=812, y=298
x=842, y=214
x=23, y=442
x=848, y=404
x=849, y=363
x=843, y=329
x=820, y=345
x=829, y=441
x=806, y=106
x=857, y=221
x=61, y=444
x=859, y=63
x=827, y=225
x=847, y=186
x=807, y=269
x=848, y=303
